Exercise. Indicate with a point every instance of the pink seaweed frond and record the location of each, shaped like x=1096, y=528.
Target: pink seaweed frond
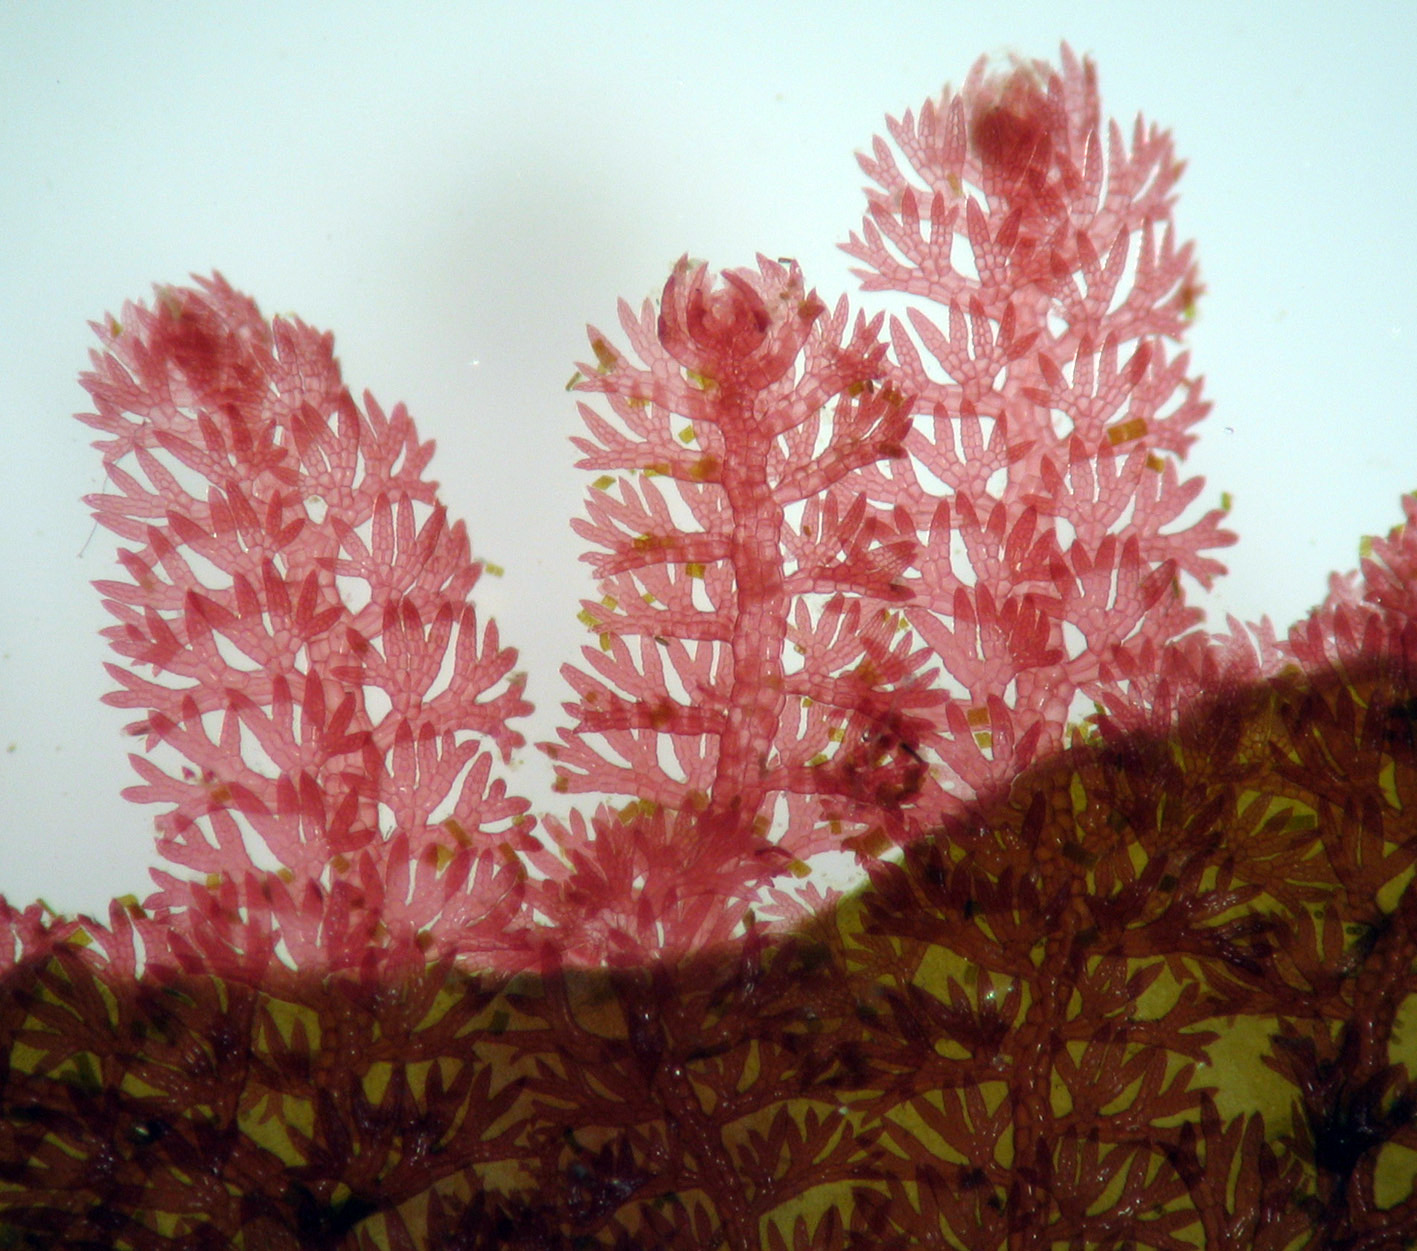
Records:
x=318, y=702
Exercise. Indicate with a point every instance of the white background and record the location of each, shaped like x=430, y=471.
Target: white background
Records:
x=456, y=190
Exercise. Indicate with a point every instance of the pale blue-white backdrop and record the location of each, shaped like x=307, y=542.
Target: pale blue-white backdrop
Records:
x=455, y=189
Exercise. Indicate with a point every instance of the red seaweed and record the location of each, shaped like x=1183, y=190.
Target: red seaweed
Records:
x=1132, y=956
